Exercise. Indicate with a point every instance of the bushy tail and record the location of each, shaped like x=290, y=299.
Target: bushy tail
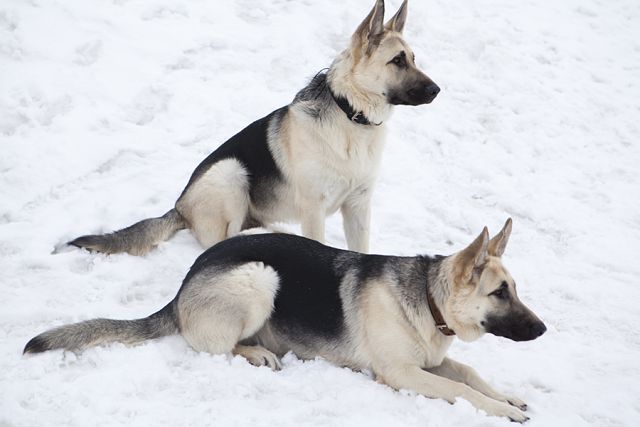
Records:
x=137, y=239
x=94, y=332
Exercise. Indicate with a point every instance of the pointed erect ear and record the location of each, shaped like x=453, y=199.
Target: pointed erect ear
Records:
x=473, y=256
x=499, y=241
x=397, y=22
x=369, y=32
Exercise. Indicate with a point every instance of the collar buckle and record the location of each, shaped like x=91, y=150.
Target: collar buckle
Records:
x=441, y=324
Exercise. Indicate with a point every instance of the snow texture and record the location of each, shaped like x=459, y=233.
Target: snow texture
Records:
x=106, y=107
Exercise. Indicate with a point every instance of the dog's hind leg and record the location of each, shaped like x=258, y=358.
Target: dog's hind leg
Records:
x=209, y=231
x=216, y=205
x=220, y=306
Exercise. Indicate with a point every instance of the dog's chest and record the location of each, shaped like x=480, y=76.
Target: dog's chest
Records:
x=354, y=152
x=395, y=333
x=347, y=166
x=429, y=346
x=341, y=157
x=433, y=351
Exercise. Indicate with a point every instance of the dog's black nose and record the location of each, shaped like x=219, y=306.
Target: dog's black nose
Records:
x=433, y=90
x=430, y=91
x=538, y=329
x=423, y=94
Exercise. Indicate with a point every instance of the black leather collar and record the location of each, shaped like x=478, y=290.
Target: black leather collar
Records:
x=353, y=115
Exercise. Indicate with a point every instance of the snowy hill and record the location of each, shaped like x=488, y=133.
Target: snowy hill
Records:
x=107, y=107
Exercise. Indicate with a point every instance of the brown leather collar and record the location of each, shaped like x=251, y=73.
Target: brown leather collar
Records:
x=441, y=325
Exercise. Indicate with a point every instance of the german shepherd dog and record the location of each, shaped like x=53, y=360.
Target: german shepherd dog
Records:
x=261, y=296
x=303, y=161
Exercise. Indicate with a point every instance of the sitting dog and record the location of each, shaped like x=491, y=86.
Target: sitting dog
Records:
x=261, y=296
x=303, y=161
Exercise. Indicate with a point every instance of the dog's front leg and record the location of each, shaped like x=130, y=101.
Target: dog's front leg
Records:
x=434, y=386
x=356, y=219
x=460, y=372
x=312, y=222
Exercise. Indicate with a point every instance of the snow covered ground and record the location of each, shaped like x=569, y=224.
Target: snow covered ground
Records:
x=106, y=108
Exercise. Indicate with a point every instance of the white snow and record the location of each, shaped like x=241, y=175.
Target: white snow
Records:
x=107, y=107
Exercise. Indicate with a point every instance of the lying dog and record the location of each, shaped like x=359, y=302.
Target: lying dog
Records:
x=303, y=161
x=261, y=296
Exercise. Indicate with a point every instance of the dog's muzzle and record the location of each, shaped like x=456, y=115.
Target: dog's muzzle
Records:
x=423, y=94
x=515, y=328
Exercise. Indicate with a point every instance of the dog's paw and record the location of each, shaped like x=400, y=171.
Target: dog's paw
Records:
x=514, y=401
x=516, y=415
x=259, y=356
x=502, y=409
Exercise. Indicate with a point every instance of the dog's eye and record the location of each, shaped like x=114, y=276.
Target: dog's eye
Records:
x=499, y=293
x=400, y=60
x=502, y=292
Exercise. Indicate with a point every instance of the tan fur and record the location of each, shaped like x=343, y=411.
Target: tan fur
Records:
x=330, y=167
x=364, y=78
x=499, y=242
x=215, y=318
x=216, y=204
x=476, y=271
x=396, y=335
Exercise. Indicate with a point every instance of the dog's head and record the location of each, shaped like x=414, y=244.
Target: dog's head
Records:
x=380, y=63
x=483, y=295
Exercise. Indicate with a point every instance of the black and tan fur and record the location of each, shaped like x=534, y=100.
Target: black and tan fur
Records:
x=263, y=295
x=304, y=161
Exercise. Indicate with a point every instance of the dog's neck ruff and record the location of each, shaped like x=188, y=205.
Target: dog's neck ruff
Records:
x=441, y=325
x=353, y=115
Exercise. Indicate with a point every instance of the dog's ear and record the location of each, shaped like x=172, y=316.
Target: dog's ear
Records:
x=397, y=22
x=473, y=257
x=500, y=240
x=370, y=31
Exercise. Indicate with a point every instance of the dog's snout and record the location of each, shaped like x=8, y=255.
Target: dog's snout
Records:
x=515, y=327
x=538, y=328
x=424, y=93
x=415, y=92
